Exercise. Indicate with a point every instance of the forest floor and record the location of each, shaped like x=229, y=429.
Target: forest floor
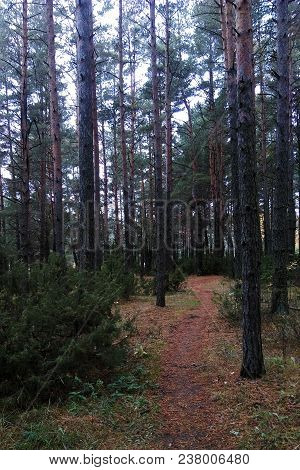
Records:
x=202, y=402
x=181, y=388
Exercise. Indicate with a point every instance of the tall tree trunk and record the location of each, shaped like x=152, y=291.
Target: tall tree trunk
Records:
x=43, y=188
x=25, y=171
x=263, y=156
x=280, y=223
x=169, y=163
x=2, y=217
x=159, y=203
x=98, y=257
x=105, y=175
x=55, y=134
x=132, y=60
x=85, y=52
x=116, y=184
x=128, y=253
x=12, y=163
x=253, y=363
x=291, y=204
x=230, y=59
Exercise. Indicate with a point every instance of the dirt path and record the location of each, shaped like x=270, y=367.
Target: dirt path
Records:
x=190, y=415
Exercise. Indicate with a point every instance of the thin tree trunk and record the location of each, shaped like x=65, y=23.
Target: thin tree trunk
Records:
x=116, y=184
x=128, y=257
x=159, y=203
x=2, y=217
x=291, y=203
x=280, y=223
x=43, y=188
x=55, y=134
x=253, y=363
x=85, y=52
x=230, y=59
x=25, y=171
x=13, y=171
x=105, y=175
x=169, y=163
x=98, y=257
x=132, y=59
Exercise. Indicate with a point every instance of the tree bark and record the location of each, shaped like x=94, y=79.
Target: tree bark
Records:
x=12, y=163
x=25, y=243
x=2, y=217
x=116, y=184
x=98, y=257
x=132, y=211
x=128, y=257
x=159, y=202
x=84, y=25
x=230, y=60
x=280, y=222
x=253, y=363
x=55, y=135
x=169, y=163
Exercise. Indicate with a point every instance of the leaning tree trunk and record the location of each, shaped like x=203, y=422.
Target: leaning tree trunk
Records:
x=25, y=173
x=280, y=221
x=85, y=52
x=253, y=364
x=159, y=203
x=55, y=135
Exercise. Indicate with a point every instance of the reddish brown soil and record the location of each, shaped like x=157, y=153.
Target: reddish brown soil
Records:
x=190, y=415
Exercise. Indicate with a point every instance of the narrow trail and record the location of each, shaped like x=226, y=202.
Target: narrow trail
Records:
x=189, y=414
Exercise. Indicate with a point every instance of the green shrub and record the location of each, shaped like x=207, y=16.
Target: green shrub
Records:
x=266, y=269
x=113, y=267
x=188, y=266
x=212, y=264
x=230, y=303
x=57, y=325
x=175, y=280
x=145, y=285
